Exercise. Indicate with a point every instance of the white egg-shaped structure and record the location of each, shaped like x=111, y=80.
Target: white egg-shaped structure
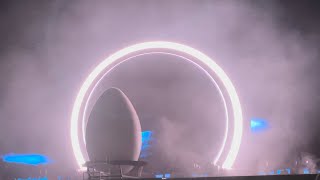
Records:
x=113, y=131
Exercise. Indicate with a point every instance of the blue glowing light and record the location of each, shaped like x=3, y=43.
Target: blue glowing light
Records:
x=27, y=159
x=288, y=170
x=167, y=175
x=29, y=178
x=146, y=139
x=306, y=171
x=279, y=171
x=159, y=176
x=258, y=124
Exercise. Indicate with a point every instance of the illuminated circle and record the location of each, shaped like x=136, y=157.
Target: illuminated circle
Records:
x=84, y=117
x=230, y=100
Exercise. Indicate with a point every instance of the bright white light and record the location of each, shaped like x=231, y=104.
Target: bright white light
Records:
x=235, y=103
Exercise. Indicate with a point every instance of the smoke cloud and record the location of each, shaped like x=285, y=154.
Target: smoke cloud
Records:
x=49, y=48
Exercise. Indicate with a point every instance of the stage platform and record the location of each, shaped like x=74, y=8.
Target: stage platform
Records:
x=269, y=177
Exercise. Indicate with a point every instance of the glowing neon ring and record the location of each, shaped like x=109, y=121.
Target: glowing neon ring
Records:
x=84, y=117
x=169, y=46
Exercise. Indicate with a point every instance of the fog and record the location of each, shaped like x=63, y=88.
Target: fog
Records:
x=48, y=48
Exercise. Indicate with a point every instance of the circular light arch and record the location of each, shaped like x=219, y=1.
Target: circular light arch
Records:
x=169, y=46
x=85, y=109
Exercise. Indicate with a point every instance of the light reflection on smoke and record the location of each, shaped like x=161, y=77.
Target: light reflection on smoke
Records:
x=44, y=63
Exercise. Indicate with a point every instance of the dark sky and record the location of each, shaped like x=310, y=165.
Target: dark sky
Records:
x=270, y=50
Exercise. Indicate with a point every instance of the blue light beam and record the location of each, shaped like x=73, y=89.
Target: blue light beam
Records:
x=145, y=148
x=26, y=159
x=258, y=125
